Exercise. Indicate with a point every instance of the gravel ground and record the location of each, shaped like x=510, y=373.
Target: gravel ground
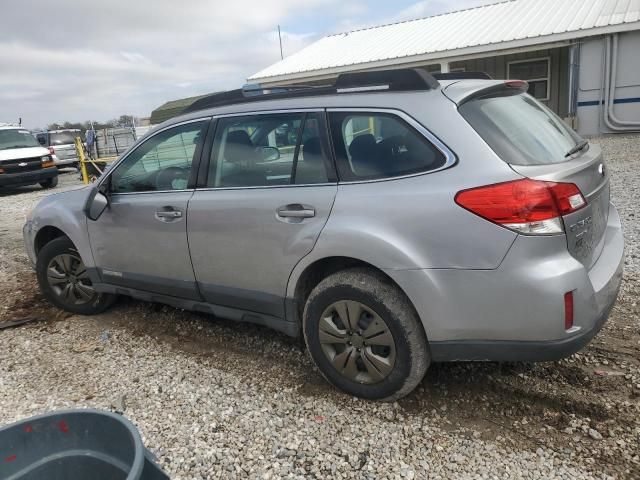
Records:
x=215, y=399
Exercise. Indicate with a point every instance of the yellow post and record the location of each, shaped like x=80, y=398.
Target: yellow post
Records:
x=82, y=160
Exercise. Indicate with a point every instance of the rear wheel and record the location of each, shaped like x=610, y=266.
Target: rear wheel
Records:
x=64, y=280
x=364, y=335
x=50, y=183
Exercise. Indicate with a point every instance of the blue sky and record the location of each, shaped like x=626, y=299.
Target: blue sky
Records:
x=76, y=60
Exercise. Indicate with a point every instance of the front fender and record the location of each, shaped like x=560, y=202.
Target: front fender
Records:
x=63, y=211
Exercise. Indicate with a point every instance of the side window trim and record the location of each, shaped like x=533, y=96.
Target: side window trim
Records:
x=196, y=159
x=205, y=155
x=205, y=165
x=450, y=157
x=296, y=151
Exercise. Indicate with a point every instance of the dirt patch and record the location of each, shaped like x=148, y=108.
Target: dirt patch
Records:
x=27, y=301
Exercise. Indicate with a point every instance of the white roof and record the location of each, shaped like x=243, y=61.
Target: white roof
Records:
x=11, y=126
x=506, y=25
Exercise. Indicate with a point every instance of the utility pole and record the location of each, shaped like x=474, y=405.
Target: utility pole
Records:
x=280, y=38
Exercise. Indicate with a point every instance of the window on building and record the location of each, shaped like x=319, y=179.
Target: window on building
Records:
x=537, y=72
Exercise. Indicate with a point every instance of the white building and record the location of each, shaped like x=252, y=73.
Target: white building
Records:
x=581, y=57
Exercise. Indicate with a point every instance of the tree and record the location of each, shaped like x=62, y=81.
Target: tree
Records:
x=121, y=121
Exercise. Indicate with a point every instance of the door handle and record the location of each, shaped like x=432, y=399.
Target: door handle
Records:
x=296, y=210
x=168, y=215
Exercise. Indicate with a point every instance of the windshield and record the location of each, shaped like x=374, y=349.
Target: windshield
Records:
x=17, y=139
x=62, y=138
x=520, y=129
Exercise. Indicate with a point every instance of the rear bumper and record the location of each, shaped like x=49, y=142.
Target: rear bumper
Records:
x=518, y=351
x=27, y=178
x=65, y=161
x=516, y=312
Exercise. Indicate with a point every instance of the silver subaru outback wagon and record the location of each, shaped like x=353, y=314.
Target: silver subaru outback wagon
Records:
x=392, y=219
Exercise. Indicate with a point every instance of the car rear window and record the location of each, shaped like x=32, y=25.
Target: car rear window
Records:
x=62, y=138
x=520, y=129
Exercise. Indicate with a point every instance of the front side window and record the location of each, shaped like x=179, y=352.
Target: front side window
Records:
x=161, y=163
x=535, y=72
x=380, y=145
x=268, y=150
x=16, y=138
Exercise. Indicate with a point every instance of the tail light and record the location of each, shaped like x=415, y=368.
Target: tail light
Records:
x=51, y=151
x=519, y=84
x=526, y=206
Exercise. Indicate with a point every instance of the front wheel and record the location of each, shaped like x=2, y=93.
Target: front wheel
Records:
x=64, y=280
x=364, y=335
x=50, y=183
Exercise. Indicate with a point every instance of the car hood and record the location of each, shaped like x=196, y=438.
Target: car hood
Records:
x=18, y=153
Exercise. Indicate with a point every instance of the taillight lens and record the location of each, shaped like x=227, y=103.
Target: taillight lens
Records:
x=527, y=206
x=521, y=84
x=51, y=151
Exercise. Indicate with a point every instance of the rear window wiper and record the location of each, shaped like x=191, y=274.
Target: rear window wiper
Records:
x=577, y=148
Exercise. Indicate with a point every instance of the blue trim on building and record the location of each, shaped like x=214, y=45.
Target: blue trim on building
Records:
x=592, y=103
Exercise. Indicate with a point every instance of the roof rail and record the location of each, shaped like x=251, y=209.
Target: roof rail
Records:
x=462, y=76
x=408, y=79
x=404, y=79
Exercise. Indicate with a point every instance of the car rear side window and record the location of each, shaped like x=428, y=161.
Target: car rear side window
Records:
x=520, y=129
x=379, y=145
x=269, y=150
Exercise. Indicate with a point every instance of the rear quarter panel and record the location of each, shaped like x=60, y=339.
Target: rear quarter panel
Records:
x=414, y=222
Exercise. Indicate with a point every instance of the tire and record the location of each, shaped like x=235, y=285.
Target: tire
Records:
x=57, y=259
x=51, y=183
x=388, y=334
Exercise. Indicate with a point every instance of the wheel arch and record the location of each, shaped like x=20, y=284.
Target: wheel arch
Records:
x=312, y=274
x=45, y=235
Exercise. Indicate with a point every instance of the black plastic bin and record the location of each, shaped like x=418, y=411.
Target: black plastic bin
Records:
x=73, y=445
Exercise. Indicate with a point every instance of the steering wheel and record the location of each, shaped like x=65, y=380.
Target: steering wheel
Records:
x=166, y=177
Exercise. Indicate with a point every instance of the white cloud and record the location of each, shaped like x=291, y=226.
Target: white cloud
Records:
x=77, y=60
x=99, y=60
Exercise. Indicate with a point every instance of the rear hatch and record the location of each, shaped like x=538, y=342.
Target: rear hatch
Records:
x=63, y=144
x=537, y=144
x=584, y=228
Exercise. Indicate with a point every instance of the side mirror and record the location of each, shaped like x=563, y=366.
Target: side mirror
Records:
x=41, y=140
x=270, y=154
x=96, y=204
